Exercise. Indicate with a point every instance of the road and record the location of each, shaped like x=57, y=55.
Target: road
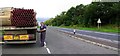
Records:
x=57, y=43
x=109, y=36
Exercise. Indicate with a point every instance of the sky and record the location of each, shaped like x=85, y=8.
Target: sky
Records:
x=44, y=8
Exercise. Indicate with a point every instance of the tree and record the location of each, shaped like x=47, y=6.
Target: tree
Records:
x=87, y=15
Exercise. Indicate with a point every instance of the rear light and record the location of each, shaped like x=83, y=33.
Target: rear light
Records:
x=31, y=36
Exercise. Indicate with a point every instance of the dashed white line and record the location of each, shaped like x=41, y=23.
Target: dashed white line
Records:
x=45, y=43
x=102, y=45
x=48, y=50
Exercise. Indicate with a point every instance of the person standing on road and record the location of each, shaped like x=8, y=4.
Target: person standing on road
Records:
x=42, y=33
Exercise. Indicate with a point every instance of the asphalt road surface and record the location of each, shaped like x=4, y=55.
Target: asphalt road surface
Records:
x=109, y=36
x=57, y=43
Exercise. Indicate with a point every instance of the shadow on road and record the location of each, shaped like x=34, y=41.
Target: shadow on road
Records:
x=19, y=46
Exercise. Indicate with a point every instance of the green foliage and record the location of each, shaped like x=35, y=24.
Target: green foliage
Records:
x=87, y=15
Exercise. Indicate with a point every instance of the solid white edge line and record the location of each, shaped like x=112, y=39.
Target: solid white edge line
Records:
x=93, y=32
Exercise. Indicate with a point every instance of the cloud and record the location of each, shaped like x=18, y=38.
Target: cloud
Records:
x=44, y=8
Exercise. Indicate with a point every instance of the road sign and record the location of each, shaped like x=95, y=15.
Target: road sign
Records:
x=99, y=21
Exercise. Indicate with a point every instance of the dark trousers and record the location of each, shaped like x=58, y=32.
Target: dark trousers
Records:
x=42, y=38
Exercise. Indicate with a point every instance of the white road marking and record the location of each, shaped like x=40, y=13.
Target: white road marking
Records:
x=101, y=45
x=98, y=38
x=45, y=43
x=48, y=50
x=95, y=32
x=92, y=37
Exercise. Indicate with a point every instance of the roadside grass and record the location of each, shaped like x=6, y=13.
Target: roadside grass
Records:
x=108, y=28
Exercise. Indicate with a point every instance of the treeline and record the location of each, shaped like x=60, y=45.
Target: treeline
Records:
x=87, y=15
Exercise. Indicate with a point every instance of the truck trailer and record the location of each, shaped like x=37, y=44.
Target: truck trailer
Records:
x=18, y=25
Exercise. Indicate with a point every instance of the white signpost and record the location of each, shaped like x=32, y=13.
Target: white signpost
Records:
x=99, y=22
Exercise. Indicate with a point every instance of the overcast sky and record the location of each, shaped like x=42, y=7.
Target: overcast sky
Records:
x=44, y=8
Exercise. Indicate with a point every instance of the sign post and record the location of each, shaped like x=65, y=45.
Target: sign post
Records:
x=99, y=22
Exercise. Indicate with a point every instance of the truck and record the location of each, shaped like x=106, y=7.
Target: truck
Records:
x=17, y=25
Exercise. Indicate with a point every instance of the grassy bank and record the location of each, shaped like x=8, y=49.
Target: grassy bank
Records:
x=108, y=28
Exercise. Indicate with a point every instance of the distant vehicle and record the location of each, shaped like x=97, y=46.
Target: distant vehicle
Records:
x=18, y=25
